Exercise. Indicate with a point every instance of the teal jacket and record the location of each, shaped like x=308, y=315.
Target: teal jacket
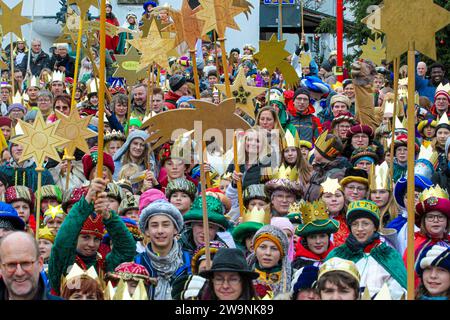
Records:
x=64, y=250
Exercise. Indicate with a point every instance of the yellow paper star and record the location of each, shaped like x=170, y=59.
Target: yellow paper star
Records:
x=46, y=233
x=154, y=48
x=128, y=65
x=218, y=15
x=416, y=20
x=53, y=211
x=39, y=140
x=67, y=36
x=12, y=20
x=272, y=56
x=84, y=5
x=245, y=5
x=331, y=186
x=75, y=130
x=187, y=26
x=243, y=93
x=374, y=51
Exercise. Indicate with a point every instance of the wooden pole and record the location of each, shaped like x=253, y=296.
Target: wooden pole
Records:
x=225, y=67
x=215, y=52
x=130, y=93
x=149, y=106
x=238, y=170
x=196, y=81
x=11, y=57
x=396, y=75
x=204, y=209
x=101, y=90
x=280, y=20
x=39, y=171
x=411, y=156
x=302, y=15
x=77, y=62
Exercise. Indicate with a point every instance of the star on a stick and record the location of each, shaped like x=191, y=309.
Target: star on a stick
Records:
x=84, y=5
x=75, y=130
x=218, y=15
x=39, y=140
x=154, y=48
x=272, y=56
x=417, y=21
x=243, y=93
x=187, y=26
x=11, y=20
x=374, y=51
x=67, y=36
x=128, y=65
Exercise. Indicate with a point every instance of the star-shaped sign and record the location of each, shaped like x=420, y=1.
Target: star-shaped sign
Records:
x=218, y=15
x=374, y=51
x=187, y=26
x=11, y=20
x=272, y=56
x=154, y=48
x=54, y=211
x=245, y=5
x=39, y=140
x=243, y=93
x=331, y=186
x=67, y=36
x=128, y=65
x=417, y=21
x=75, y=130
x=84, y=5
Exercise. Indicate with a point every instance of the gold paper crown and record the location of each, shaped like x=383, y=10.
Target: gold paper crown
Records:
x=384, y=293
x=114, y=135
x=58, y=76
x=34, y=82
x=399, y=124
x=389, y=107
x=428, y=153
x=305, y=59
x=326, y=145
x=93, y=85
x=330, y=186
x=338, y=264
x=257, y=215
x=17, y=98
x=445, y=88
x=403, y=82
x=433, y=192
x=286, y=173
x=402, y=93
x=443, y=119
x=312, y=211
x=76, y=271
x=295, y=207
x=289, y=140
x=380, y=178
x=121, y=292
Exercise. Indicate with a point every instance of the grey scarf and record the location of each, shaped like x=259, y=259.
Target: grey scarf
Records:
x=165, y=267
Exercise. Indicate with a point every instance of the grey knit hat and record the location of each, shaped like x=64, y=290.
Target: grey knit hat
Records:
x=161, y=207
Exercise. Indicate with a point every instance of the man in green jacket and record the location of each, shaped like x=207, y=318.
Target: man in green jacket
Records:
x=79, y=238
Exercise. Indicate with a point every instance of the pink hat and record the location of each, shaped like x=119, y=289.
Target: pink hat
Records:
x=283, y=223
x=149, y=196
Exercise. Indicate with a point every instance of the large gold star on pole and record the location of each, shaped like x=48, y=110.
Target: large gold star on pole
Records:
x=154, y=48
x=406, y=21
x=84, y=5
x=219, y=15
x=39, y=140
x=75, y=130
x=128, y=65
x=243, y=93
x=272, y=56
x=374, y=51
x=187, y=26
x=67, y=36
x=11, y=20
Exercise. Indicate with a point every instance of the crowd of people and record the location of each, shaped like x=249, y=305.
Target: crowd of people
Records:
x=324, y=219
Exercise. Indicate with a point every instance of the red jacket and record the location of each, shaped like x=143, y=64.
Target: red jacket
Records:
x=170, y=100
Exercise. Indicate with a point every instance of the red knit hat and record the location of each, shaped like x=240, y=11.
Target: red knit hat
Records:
x=90, y=160
x=93, y=226
x=5, y=121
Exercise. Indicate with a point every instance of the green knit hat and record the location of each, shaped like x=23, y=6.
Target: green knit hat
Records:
x=214, y=209
x=183, y=185
x=363, y=209
x=245, y=230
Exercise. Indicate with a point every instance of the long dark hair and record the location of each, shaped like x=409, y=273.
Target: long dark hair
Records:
x=248, y=290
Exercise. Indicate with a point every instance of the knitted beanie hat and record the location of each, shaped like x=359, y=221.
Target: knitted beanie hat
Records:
x=149, y=197
x=161, y=207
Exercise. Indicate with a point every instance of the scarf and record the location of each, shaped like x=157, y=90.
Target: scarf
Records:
x=165, y=268
x=304, y=252
x=356, y=246
x=34, y=56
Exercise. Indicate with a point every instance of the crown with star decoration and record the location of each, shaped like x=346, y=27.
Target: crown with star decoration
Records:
x=312, y=211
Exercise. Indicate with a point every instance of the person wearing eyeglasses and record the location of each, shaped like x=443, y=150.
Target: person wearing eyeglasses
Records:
x=355, y=184
x=377, y=263
x=20, y=268
x=432, y=214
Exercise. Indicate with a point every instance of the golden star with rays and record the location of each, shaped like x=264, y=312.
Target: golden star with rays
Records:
x=67, y=36
x=416, y=20
x=11, y=20
x=187, y=26
x=75, y=130
x=154, y=48
x=128, y=67
x=374, y=51
x=243, y=93
x=53, y=211
x=272, y=56
x=84, y=5
x=331, y=186
x=218, y=15
x=39, y=140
